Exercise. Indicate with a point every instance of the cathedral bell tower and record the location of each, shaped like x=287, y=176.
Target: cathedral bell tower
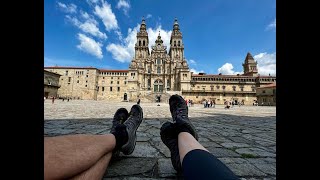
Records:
x=176, y=46
x=141, y=47
x=250, y=66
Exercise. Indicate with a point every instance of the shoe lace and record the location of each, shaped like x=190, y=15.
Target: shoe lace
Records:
x=181, y=112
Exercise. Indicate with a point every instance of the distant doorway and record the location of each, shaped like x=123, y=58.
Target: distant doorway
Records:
x=125, y=97
x=158, y=98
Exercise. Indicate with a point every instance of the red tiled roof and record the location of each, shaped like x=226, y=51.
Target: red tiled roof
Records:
x=217, y=75
x=68, y=67
x=52, y=73
x=113, y=70
x=268, y=85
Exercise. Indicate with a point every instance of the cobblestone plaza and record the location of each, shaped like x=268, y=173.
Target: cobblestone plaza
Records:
x=244, y=138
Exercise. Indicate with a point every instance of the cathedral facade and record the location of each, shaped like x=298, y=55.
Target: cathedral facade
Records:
x=157, y=73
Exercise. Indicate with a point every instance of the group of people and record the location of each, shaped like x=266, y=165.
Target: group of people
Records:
x=207, y=104
x=84, y=156
x=189, y=102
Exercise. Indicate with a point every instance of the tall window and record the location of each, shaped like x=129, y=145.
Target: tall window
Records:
x=168, y=83
x=110, y=88
x=174, y=43
x=118, y=89
x=139, y=43
x=178, y=43
x=66, y=73
x=102, y=88
x=144, y=43
x=158, y=61
x=159, y=70
x=234, y=88
x=69, y=79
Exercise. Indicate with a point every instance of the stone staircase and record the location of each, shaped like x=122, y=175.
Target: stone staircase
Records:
x=152, y=97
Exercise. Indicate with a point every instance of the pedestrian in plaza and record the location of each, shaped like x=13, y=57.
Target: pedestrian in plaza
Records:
x=53, y=99
x=91, y=154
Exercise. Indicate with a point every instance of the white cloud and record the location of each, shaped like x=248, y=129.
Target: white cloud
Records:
x=195, y=71
x=119, y=35
x=92, y=1
x=89, y=26
x=124, y=52
x=124, y=5
x=148, y=16
x=84, y=15
x=90, y=46
x=272, y=25
x=72, y=8
x=266, y=63
x=191, y=61
x=119, y=52
x=153, y=35
x=227, y=69
x=106, y=15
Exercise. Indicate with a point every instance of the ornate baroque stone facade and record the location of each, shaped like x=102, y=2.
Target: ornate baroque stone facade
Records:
x=158, y=73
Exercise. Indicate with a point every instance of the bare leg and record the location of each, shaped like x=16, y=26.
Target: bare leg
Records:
x=67, y=156
x=97, y=171
x=187, y=143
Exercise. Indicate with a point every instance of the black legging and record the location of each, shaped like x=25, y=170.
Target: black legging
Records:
x=200, y=164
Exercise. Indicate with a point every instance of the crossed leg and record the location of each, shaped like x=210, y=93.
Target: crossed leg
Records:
x=77, y=156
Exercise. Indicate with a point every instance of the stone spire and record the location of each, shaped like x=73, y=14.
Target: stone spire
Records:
x=159, y=40
x=249, y=58
x=250, y=66
x=143, y=26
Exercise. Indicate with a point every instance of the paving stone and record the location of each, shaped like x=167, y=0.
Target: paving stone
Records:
x=165, y=168
x=144, y=149
x=255, y=152
x=225, y=133
x=245, y=169
x=234, y=145
x=137, y=166
x=221, y=152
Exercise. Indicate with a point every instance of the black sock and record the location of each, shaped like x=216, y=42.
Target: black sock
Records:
x=121, y=135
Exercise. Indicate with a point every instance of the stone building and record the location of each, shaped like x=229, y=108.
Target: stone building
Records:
x=51, y=84
x=157, y=73
x=266, y=95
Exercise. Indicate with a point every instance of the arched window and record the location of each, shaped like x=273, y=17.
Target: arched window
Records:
x=139, y=43
x=234, y=88
x=144, y=43
x=159, y=70
x=174, y=42
x=178, y=43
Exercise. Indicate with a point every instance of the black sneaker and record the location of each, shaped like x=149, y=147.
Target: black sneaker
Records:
x=179, y=112
x=169, y=137
x=133, y=122
x=119, y=117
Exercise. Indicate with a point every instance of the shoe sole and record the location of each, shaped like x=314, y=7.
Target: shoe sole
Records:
x=135, y=134
x=189, y=125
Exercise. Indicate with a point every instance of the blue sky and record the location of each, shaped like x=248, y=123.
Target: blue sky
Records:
x=217, y=34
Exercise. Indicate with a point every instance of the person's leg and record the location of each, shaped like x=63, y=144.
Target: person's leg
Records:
x=96, y=171
x=71, y=155
x=66, y=156
x=187, y=143
x=196, y=161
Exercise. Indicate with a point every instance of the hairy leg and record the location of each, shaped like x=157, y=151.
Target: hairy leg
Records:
x=67, y=156
x=97, y=171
